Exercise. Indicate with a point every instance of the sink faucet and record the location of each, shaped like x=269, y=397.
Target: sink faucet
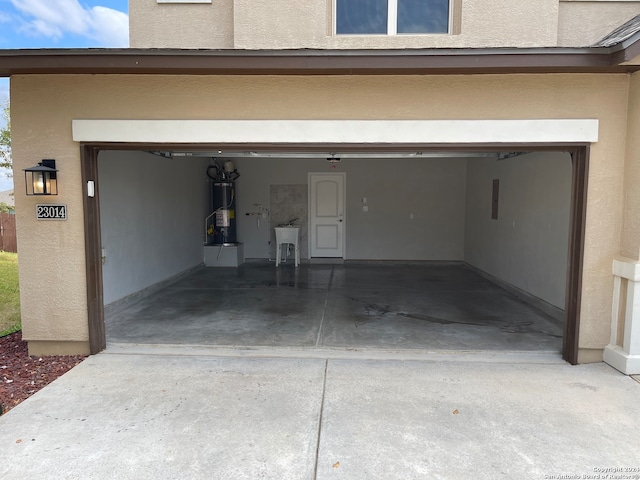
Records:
x=289, y=223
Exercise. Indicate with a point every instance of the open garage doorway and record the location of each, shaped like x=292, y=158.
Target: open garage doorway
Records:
x=458, y=251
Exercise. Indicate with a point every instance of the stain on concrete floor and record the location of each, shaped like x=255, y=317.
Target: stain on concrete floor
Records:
x=430, y=307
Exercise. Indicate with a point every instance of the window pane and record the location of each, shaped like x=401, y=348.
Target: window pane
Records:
x=361, y=16
x=423, y=16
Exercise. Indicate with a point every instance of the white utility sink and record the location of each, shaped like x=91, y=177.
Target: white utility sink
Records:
x=286, y=236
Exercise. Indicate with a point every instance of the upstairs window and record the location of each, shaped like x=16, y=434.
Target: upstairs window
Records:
x=392, y=17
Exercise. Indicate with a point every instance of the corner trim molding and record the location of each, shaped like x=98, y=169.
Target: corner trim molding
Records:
x=625, y=318
x=621, y=360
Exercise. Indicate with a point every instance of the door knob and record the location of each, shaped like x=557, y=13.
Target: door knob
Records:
x=340, y=220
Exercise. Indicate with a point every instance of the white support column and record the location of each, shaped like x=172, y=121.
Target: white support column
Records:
x=625, y=357
x=632, y=328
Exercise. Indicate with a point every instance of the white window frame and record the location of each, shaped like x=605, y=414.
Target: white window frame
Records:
x=392, y=21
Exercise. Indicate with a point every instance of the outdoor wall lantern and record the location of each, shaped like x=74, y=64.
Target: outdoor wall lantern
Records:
x=42, y=179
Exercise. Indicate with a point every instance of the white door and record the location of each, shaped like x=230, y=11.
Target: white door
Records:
x=326, y=214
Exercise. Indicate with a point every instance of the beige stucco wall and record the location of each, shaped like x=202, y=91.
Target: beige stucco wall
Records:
x=251, y=24
x=43, y=107
x=181, y=25
x=630, y=246
x=53, y=288
x=495, y=23
x=582, y=23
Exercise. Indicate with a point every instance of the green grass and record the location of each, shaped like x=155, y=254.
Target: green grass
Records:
x=9, y=294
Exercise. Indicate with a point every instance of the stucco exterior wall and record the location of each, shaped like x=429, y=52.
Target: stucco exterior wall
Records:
x=181, y=25
x=583, y=23
x=43, y=107
x=308, y=24
x=252, y=24
x=630, y=246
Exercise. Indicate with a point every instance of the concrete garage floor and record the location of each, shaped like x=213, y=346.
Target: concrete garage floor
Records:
x=372, y=306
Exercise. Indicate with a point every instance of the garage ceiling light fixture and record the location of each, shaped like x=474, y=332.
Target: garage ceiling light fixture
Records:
x=42, y=179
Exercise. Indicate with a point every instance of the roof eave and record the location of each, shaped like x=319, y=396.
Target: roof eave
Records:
x=315, y=62
x=626, y=50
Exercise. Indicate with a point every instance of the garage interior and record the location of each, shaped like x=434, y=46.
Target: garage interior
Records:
x=443, y=251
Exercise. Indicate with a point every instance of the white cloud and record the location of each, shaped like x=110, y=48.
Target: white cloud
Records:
x=54, y=18
x=110, y=27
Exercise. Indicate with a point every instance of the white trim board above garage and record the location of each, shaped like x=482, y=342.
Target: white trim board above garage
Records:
x=378, y=132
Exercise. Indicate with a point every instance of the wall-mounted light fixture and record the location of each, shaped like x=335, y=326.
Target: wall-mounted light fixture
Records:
x=42, y=179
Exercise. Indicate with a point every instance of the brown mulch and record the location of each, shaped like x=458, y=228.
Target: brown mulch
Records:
x=21, y=375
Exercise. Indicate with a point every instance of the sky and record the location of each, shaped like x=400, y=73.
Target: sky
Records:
x=59, y=24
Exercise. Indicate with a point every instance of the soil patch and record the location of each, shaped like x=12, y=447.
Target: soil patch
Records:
x=21, y=375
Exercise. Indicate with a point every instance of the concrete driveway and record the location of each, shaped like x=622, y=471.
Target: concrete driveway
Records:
x=279, y=416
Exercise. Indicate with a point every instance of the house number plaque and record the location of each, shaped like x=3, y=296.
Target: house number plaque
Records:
x=51, y=212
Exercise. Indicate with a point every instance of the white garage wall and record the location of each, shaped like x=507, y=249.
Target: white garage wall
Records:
x=432, y=189
x=152, y=213
x=527, y=246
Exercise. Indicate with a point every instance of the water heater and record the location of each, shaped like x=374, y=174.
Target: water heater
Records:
x=221, y=227
x=223, y=196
